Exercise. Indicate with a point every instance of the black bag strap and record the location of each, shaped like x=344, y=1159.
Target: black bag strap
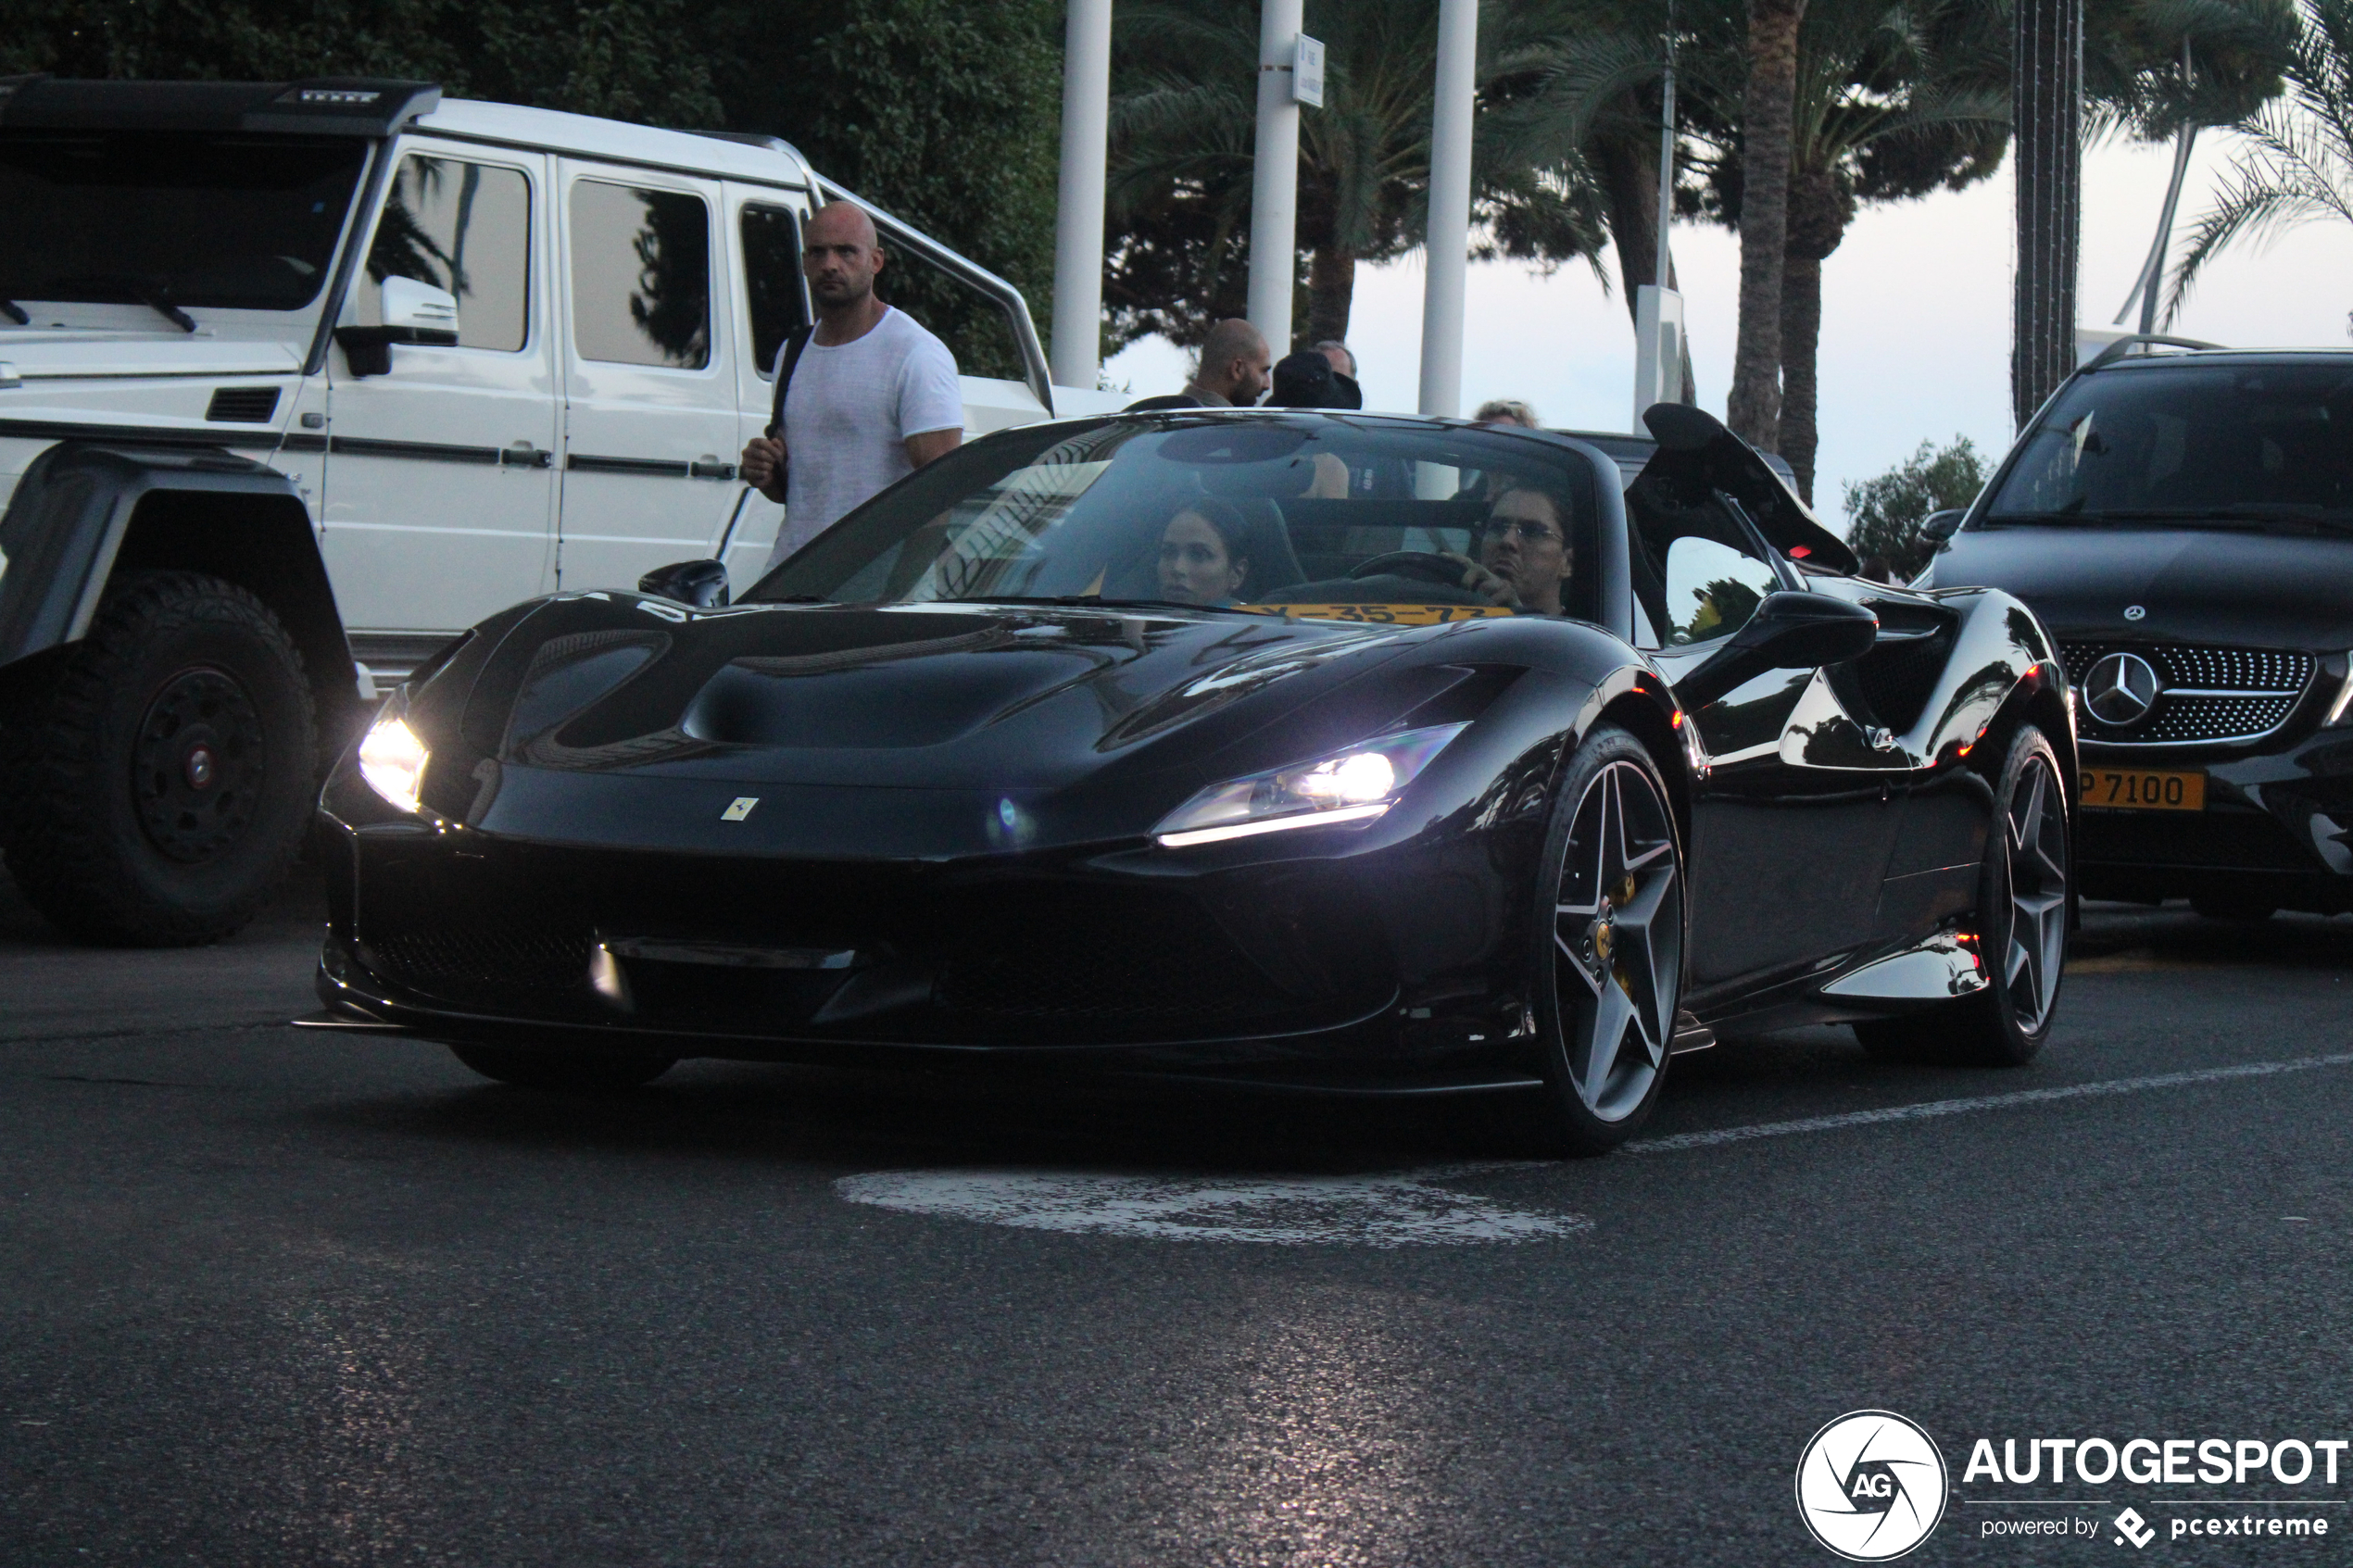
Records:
x=794, y=343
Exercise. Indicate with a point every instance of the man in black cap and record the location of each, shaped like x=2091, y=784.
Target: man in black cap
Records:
x=1306, y=380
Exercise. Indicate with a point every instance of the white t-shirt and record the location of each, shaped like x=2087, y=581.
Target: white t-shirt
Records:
x=848, y=415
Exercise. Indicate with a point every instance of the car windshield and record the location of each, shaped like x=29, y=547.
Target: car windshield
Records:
x=2190, y=443
x=171, y=218
x=1347, y=516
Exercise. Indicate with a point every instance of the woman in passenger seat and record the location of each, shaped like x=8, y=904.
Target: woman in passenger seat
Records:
x=1202, y=558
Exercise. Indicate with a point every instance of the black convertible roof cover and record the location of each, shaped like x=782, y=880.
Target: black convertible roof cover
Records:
x=1696, y=454
x=335, y=106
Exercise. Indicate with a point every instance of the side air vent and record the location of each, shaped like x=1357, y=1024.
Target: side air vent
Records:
x=242, y=406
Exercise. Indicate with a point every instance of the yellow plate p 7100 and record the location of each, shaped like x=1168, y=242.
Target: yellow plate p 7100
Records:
x=2143, y=789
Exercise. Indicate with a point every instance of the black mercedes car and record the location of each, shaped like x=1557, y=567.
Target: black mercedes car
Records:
x=2183, y=522
x=1298, y=749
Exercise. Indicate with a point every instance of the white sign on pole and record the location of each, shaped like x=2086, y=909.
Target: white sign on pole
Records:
x=1307, y=71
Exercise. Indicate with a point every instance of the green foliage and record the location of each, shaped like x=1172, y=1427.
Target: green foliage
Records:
x=1885, y=513
x=2296, y=164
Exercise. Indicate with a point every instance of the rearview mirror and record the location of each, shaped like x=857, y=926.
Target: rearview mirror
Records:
x=702, y=583
x=1792, y=630
x=1941, y=526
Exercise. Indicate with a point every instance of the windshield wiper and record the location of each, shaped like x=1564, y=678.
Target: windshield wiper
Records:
x=156, y=297
x=15, y=312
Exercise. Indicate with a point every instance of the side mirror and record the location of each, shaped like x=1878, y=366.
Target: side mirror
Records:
x=1792, y=630
x=420, y=307
x=413, y=313
x=1941, y=526
x=702, y=583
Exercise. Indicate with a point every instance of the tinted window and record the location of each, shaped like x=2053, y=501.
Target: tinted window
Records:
x=1242, y=513
x=772, y=280
x=640, y=275
x=1697, y=574
x=466, y=228
x=974, y=327
x=2188, y=441
x=193, y=219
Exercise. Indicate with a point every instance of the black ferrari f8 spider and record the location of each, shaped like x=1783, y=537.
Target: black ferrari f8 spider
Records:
x=1295, y=748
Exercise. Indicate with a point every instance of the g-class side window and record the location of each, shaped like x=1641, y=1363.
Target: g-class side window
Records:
x=771, y=238
x=640, y=275
x=464, y=227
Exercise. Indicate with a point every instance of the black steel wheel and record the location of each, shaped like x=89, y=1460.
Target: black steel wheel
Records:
x=2023, y=910
x=161, y=778
x=1608, y=974
x=566, y=1071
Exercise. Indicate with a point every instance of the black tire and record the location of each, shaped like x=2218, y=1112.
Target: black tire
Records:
x=1606, y=961
x=565, y=1071
x=162, y=778
x=2024, y=891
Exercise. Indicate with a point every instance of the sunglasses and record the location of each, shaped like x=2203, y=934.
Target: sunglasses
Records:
x=1529, y=531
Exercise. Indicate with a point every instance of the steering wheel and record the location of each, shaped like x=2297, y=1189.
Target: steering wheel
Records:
x=1422, y=565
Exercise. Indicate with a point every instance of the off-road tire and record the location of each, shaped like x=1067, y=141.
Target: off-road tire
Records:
x=161, y=778
x=1992, y=1027
x=565, y=1071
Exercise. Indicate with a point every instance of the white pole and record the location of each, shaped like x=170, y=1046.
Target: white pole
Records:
x=1449, y=191
x=1079, y=222
x=1274, y=187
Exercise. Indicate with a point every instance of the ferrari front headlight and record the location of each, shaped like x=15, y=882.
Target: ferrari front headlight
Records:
x=393, y=760
x=1354, y=786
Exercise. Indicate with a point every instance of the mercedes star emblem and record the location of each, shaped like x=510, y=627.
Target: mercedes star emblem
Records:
x=2121, y=689
x=2134, y=612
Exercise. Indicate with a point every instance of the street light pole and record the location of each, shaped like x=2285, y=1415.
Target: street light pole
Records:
x=1078, y=221
x=1273, y=186
x=1447, y=243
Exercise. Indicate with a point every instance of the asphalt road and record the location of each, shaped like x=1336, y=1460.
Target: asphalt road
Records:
x=272, y=1297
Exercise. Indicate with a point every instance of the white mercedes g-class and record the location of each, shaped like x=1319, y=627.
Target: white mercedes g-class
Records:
x=297, y=380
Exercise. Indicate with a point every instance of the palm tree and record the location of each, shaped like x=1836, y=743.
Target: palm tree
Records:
x=1768, y=102
x=1895, y=99
x=1183, y=126
x=2298, y=166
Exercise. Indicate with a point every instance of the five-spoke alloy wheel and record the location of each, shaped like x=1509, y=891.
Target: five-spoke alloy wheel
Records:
x=1609, y=975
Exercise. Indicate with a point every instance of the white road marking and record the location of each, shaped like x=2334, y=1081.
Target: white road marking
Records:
x=1381, y=1211
x=1983, y=1102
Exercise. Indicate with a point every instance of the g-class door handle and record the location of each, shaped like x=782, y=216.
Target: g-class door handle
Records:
x=524, y=455
x=708, y=466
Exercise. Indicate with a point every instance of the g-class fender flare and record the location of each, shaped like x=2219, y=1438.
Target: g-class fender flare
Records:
x=86, y=511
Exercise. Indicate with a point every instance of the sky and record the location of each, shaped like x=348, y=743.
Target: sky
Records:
x=1915, y=315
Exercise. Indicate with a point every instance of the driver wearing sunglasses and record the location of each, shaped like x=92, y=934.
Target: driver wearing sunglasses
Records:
x=1524, y=554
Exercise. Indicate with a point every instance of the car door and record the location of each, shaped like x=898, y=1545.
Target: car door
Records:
x=650, y=426
x=1795, y=813
x=772, y=301
x=439, y=489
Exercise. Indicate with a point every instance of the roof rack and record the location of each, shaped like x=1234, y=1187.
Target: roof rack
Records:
x=2124, y=346
x=335, y=106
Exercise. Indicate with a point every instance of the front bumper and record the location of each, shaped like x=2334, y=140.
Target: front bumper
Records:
x=2277, y=827
x=1368, y=961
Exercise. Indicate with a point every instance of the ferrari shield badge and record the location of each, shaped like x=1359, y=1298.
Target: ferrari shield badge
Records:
x=739, y=808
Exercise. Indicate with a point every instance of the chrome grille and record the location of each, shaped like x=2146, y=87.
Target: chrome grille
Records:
x=2211, y=693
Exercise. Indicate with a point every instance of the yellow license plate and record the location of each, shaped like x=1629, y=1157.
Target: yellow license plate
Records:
x=2117, y=789
x=1383, y=614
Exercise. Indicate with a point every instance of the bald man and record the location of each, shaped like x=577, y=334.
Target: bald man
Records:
x=1234, y=366
x=873, y=398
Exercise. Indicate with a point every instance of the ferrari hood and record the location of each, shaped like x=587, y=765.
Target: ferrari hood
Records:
x=2206, y=585
x=944, y=697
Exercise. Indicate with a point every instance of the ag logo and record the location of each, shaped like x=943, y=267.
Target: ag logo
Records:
x=1870, y=1486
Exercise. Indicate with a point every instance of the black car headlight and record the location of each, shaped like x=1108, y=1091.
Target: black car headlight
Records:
x=1352, y=785
x=392, y=759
